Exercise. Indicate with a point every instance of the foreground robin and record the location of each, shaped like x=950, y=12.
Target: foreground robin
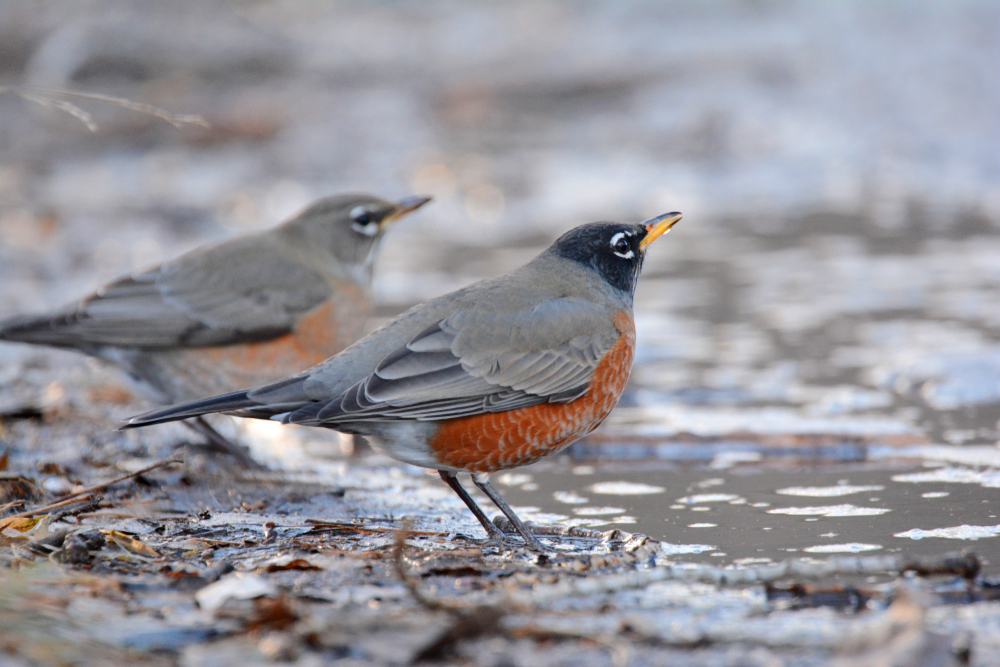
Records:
x=493, y=376
x=244, y=312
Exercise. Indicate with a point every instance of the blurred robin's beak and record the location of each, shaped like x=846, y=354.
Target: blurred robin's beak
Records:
x=404, y=206
x=657, y=227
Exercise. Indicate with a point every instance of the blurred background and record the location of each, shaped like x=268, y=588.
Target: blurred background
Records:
x=837, y=271
x=837, y=165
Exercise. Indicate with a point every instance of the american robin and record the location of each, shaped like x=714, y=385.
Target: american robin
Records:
x=493, y=376
x=247, y=311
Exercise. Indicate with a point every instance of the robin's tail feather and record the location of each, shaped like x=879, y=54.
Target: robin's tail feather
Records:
x=236, y=401
x=30, y=329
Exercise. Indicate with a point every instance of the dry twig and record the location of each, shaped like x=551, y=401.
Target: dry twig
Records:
x=48, y=98
x=77, y=496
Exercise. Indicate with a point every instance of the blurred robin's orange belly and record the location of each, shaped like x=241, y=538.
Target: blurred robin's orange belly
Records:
x=318, y=335
x=501, y=440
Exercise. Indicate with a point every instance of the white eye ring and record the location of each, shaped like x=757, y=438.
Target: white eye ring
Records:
x=369, y=228
x=614, y=241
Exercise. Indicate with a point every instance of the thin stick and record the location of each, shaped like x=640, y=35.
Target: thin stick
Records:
x=12, y=504
x=332, y=526
x=175, y=119
x=45, y=508
x=73, y=497
x=43, y=97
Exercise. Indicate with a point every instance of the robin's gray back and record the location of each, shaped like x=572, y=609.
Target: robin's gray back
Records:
x=531, y=336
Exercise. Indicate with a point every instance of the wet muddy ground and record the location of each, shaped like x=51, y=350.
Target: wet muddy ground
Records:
x=804, y=461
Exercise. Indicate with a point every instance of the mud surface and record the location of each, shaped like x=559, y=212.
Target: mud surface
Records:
x=812, y=421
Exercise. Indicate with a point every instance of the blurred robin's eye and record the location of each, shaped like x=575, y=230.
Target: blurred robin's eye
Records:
x=620, y=246
x=362, y=221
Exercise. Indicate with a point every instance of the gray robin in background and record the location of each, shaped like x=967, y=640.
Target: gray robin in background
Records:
x=243, y=312
x=493, y=376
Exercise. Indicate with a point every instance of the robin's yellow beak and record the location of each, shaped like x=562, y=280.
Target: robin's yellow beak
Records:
x=404, y=206
x=657, y=227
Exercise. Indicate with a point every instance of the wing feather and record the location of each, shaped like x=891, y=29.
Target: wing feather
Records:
x=238, y=292
x=468, y=364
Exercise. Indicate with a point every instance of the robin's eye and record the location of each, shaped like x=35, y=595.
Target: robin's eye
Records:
x=621, y=246
x=362, y=222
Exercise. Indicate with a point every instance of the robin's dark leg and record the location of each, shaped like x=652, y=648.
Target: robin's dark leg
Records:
x=222, y=444
x=529, y=540
x=493, y=533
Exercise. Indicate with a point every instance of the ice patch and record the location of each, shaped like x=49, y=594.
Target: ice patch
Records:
x=963, y=532
x=625, y=488
x=826, y=491
x=724, y=460
x=597, y=511
x=970, y=455
x=675, y=549
x=989, y=479
x=514, y=478
x=569, y=497
x=708, y=498
x=830, y=510
x=850, y=548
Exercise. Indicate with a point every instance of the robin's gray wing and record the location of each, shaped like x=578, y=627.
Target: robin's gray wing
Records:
x=238, y=292
x=477, y=361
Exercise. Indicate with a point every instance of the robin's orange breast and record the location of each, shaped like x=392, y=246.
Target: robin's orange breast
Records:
x=501, y=440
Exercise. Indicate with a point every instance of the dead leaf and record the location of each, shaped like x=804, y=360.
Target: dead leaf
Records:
x=21, y=524
x=272, y=613
x=109, y=393
x=18, y=487
x=296, y=564
x=131, y=544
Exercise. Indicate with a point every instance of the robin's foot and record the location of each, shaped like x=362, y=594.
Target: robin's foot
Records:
x=530, y=541
x=498, y=538
x=503, y=544
x=494, y=535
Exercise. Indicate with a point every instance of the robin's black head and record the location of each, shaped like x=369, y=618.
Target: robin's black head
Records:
x=613, y=249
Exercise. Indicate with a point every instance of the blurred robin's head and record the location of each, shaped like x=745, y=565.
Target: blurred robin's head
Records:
x=350, y=226
x=613, y=250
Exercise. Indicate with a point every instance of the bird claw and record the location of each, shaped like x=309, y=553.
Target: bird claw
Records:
x=513, y=542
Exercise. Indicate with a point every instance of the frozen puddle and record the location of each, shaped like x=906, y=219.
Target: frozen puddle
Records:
x=789, y=499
